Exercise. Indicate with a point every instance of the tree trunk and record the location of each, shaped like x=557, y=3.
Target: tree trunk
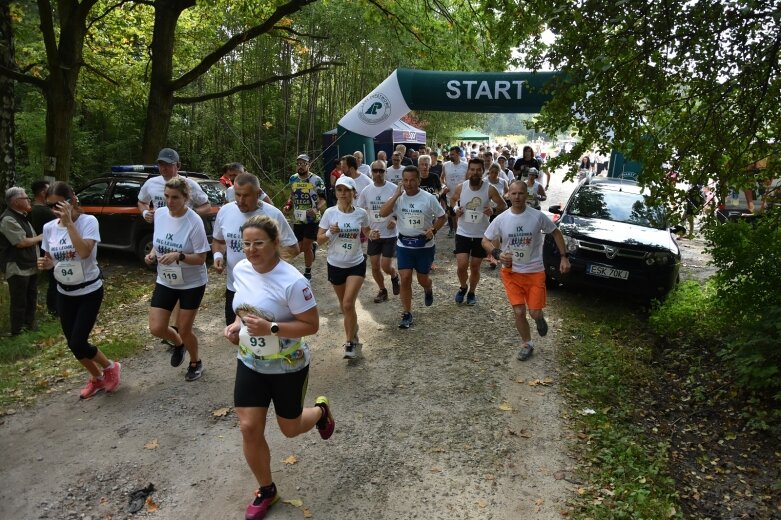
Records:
x=160, y=104
x=7, y=156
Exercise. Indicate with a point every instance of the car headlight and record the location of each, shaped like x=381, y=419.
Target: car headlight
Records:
x=571, y=244
x=659, y=258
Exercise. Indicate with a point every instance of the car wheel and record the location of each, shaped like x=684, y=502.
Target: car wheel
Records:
x=144, y=247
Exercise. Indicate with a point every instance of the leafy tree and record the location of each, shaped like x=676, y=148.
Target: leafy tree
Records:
x=7, y=152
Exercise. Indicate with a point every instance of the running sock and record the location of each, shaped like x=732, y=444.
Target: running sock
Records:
x=110, y=366
x=265, y=492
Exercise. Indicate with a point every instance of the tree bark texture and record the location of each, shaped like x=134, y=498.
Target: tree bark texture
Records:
x=7, y=155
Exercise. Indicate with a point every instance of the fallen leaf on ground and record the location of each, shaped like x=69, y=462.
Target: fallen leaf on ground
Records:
x=307, y=513
x=290, y=460
x=150, y=505
x=436, y=470
x=221, y=412
x=520, y=380
x=505, y=407
x=581, y=491
x=152, y=445
x=295, y=502
x=539, y=502
x=482, y=503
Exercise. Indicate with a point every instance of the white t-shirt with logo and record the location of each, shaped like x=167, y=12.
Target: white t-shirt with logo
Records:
x=522, y=235
x=394, y=174
x=365, y=169
x=344, y=248
x=372, y=199
x=416, y=214
x=153, y=191
x=455, y=174
x=69, y=267
x=183, y=234
x=227, y=227
x=276, y=296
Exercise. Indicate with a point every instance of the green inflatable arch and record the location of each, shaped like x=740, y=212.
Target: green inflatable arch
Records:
x=409, y=89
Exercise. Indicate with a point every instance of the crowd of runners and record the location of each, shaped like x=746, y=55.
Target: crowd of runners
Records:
x=380, y=213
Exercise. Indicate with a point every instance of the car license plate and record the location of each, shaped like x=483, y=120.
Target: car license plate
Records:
x=607, y=272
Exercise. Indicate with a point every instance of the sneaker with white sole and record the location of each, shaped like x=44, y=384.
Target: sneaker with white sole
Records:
x=526, y=351
x=111, y=377
x=194, y=371
x=406, y=320
x=349, y=350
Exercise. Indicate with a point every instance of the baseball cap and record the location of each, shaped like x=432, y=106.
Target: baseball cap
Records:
x=344, y=180
x=168, y=155
x=303, y=157
x=533, y=171
x=501, y=158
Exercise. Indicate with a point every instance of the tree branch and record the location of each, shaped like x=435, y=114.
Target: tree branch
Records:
x=249, y=86
x=207, y=62
x=396, y=17
x=100, y=74
x=107, y=12
x=305, y=35
x=23, y=78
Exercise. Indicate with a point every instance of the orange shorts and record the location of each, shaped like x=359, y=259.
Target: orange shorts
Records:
x=525, y=288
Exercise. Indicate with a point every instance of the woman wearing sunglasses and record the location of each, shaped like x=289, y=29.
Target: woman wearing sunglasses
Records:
x=273, y=359
x=179, y=249
x=70, y=243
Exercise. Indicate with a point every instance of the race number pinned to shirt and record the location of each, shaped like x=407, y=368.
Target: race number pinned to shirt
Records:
x=69, y=272
x=521, y=252
x=415, y=221
x=299, y=215
x=376, y=218
x=259, y=345
x=171, y=274
x=474, y=216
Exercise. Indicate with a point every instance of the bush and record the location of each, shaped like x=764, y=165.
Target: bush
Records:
x=690, y=312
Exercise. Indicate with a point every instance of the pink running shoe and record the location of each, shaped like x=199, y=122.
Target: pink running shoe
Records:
x=111, y=377
x=92, y=387
x=258, y=508
x=326, y=425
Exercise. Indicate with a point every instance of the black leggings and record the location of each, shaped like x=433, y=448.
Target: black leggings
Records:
x=77, y=317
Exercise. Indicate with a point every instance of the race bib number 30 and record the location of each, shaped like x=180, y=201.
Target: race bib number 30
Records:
x=521, y=255
x=69, y=273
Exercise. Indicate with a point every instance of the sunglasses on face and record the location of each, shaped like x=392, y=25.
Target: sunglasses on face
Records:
x=378, y=170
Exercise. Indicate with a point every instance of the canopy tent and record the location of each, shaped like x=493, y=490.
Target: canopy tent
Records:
x=397, y=133
x=471, y=134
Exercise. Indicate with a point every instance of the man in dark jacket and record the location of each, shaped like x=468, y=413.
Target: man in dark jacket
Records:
x=19, y=257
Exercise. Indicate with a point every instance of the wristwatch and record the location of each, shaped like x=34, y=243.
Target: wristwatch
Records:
x=274, y=328
x=181, y=257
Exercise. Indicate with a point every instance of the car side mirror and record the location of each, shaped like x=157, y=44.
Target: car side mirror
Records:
x=555, y=209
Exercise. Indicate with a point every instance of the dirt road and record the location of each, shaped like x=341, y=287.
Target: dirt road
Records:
x=438, y=422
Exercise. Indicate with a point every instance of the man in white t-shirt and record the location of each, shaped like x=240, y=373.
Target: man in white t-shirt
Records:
x=394, y=171
x=453, y=174
x=381, y=248
x=418, y=218
x=515, y=239
x=152, y=193
x=226, y=239
x=362, y=166
x=349, y=167
x=472, y=202
x=231, y=170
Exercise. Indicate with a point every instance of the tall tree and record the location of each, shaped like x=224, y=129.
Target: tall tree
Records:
x=163, y=87
x=63, y=31
x=7, y=153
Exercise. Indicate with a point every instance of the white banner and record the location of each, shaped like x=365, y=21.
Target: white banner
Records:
x=376, y=112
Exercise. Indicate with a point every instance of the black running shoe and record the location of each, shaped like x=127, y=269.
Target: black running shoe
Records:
x=177, y=356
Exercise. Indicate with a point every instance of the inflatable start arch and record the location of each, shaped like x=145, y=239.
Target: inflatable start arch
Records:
x=409, y=89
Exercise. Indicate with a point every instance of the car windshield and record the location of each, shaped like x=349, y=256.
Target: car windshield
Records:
x=616, y=206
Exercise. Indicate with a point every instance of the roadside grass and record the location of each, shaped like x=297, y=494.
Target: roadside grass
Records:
x=606, y=355
x=39, y=362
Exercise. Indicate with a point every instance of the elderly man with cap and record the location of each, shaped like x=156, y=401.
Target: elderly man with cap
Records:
x=19, y=256
x=152, y=193
x=307, y=200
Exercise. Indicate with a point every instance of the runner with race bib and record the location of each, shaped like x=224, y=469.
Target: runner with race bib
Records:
x=179, y=249
x=515, y=239
x=341, y=227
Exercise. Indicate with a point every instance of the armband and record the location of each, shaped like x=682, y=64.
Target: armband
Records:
x=217, y=256
x=328, y=234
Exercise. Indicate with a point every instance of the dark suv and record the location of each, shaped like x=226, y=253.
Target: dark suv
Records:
x=615, y=240
x=113, y=200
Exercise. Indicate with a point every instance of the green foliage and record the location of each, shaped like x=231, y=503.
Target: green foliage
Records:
x=688, y=310
x=608, y=364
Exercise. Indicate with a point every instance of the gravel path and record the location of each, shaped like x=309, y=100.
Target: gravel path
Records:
x=438, y=422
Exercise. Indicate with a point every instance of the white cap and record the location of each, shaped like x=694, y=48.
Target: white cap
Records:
x=344, y=180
